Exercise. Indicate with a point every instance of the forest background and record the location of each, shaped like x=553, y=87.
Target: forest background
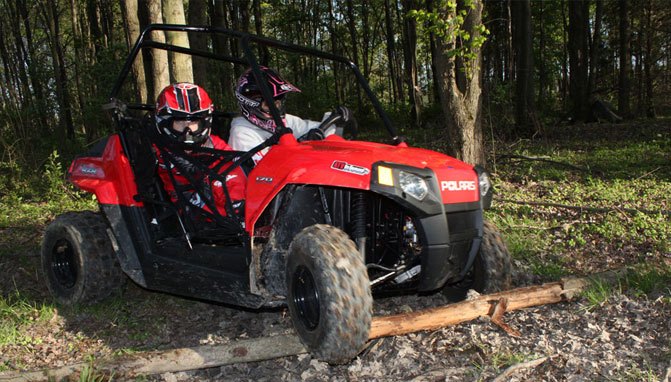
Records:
x=538, y=64
x=566, y=102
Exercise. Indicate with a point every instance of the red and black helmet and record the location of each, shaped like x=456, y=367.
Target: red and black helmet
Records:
x=184, y=101
x=248, y=93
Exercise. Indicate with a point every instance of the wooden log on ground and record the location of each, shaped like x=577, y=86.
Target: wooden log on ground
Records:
x=200, y=357
x=265, y=348
x=484, y=305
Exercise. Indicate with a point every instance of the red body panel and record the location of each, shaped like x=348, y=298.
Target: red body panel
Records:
x=109, y=177
x=337, y=162
x=331, y=162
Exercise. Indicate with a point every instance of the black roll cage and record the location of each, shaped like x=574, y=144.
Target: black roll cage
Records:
x=249, y=59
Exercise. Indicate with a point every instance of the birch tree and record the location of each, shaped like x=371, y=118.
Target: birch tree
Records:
x=181, y=68
x=132, y=24
x=159, y=57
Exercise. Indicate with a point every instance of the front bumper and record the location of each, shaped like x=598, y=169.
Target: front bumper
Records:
x=451, y=233
x=450, y=242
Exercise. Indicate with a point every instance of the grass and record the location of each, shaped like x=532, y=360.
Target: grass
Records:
x=629, y=178
x=90, y=374
x=635, y=373
x=648, y=280
x=622, y=169
x=598, y=293
x=641, y=280
x=16, y=312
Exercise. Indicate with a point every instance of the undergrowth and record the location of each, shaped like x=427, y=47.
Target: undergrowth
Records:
x=573, y=204
x=582, y=203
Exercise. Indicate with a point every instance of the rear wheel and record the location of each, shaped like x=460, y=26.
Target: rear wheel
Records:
x=491, y=271
x=78, y=260
x=329, y=295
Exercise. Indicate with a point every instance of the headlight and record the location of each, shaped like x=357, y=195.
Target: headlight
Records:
x=485, y=183
x=413, y=185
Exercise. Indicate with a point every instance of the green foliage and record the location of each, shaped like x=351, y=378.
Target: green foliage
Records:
x=648, y=279
x=16, y=311
x=598, y=293
x=447, y=23
x=635, y=373
x=90, y=374
x=616, y=181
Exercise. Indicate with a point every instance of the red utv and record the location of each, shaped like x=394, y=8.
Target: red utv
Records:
x=325, y=226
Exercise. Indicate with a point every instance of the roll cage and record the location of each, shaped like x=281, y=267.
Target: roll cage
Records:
x=134, y=136
x=245, y=41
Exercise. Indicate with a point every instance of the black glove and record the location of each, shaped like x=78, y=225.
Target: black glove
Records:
x=314, y=135
x=345, y=113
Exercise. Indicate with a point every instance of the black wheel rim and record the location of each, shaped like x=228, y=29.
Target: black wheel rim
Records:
x=306, y=297
x=64, y=264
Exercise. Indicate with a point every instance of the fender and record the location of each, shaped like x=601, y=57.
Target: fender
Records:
x=349, y=164
x=109, y=176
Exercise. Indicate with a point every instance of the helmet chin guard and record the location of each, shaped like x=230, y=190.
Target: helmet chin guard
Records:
x=184, y=101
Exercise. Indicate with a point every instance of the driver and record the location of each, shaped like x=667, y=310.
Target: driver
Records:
x=184, y=116
x=257, y=124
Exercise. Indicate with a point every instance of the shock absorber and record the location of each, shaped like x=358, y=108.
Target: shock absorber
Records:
x=359, y=220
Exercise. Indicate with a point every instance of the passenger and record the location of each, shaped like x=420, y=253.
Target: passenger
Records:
x=257, y=124
x=184, y=116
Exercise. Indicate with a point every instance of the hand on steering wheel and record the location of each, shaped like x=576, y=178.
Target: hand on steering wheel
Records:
x=341, y=116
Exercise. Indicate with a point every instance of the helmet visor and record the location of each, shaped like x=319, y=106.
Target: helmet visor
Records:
x=279, y=104
x=183, y=125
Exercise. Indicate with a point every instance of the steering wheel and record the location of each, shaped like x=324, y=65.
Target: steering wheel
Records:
x=348, y=131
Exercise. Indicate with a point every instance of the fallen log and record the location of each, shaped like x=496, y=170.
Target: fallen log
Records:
x=265, y=348
x=200, y=357
x=484, y=305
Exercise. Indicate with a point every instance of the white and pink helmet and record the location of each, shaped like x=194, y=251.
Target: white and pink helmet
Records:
x=248, y=93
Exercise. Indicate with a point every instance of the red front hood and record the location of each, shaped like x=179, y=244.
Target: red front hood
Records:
x=348, y=164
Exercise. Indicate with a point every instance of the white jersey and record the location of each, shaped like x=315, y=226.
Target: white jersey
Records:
x=245, y=135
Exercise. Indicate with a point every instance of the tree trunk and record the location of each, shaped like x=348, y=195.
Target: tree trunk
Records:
x=35, y=82
x=264, y=54
x=181, y=67
x=198, y=41
x=578, y=61
x=638, y=71
x=366, y=38
x=159, y=62
x=625, y=61
x=410, y=59
x=221, y=46
x=565, y=60
x=338, y=88
x=649, y=61
x=524, y=73
x=351, y=25
x=542, y=71
x=391, y=52
x=77, y=37
x=65, y=122
x=432, y=53
x=461, y=106
x=132, y=23
x=595, y=51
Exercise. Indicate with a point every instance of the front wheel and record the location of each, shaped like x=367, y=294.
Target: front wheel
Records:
x=329, y=296
x=491, y=271
x=78, y=260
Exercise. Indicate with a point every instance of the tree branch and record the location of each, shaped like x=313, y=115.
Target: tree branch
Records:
x=542, y=159
x=585, y=208
x=505, y=376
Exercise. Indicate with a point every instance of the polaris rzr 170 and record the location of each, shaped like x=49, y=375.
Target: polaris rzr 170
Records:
x=326, y=224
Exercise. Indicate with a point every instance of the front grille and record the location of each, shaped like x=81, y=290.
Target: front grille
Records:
x=463, y=226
